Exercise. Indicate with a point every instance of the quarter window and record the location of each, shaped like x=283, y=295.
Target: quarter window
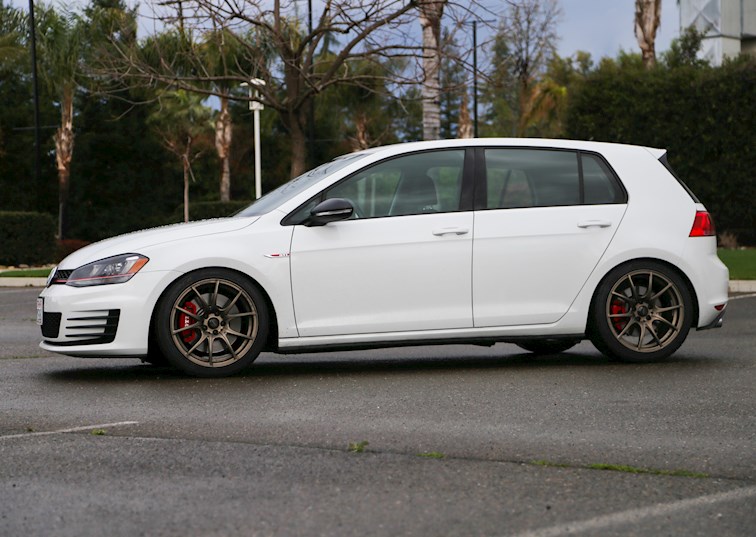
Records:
x=598, y=182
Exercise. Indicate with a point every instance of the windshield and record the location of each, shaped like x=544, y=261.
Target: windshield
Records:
x=276, y=198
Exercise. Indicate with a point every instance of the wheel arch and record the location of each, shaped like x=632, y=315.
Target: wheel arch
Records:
x=271, y=344
x=674, y=268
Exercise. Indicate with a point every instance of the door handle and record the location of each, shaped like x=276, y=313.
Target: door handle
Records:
x=450, y=231
x=594, y=223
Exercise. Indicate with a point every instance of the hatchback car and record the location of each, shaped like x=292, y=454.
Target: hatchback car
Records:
x=540, y=243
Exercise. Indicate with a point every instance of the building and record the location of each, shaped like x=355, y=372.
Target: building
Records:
x=730, y=26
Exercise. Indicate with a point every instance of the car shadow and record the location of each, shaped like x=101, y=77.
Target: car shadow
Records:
x=385, y=362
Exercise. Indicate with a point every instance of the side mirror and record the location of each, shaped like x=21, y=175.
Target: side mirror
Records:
x=330, y=210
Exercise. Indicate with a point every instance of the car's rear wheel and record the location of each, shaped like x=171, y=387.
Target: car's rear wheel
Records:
x=641, y=312
x=547, y=346
x=212, y=323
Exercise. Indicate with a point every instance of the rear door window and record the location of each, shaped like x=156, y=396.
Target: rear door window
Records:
x=519, y=178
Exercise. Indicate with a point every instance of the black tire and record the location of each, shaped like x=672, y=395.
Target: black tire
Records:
x=641, y=312
x=547, y=346
x=211, y=323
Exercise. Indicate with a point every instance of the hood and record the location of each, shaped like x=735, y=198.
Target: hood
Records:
x=134, y=243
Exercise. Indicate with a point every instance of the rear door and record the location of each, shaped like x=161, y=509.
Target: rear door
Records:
x=544, y=219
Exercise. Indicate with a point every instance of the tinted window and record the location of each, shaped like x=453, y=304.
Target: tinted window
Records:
x=421, y=183
x=531, y=178
x=598, y=181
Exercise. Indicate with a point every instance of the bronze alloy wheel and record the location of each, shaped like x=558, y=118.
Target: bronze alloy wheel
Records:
x=641, y=312
x=645, y=311
x=216, y=323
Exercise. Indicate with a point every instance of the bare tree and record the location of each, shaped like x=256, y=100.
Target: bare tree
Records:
x=430, y=13
x=276, y=46
x=647, y=21
x=526, y=42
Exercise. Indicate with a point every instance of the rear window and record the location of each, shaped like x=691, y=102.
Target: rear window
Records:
x=666, y=164
x=520, y=178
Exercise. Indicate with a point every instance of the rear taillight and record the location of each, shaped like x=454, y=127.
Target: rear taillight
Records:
x=703, y=225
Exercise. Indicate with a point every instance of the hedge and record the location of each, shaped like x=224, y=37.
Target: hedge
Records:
x=26, y=237
x=704, y=117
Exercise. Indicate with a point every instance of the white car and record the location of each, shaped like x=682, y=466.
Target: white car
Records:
x=541, y=243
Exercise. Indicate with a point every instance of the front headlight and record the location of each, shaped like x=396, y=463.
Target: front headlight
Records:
x=51, y=276
x=116, y=269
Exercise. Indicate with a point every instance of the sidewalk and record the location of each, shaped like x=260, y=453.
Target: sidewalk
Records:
x=736, y=286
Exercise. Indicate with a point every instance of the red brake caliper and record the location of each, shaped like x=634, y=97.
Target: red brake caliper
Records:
x=618, y=307
x=184, y=320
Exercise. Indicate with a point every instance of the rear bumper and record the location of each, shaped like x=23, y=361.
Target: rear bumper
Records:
x=717, y=322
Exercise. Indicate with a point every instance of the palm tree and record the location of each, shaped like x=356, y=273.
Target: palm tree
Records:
x=219, y=54
x=431, y=12
x=647, y=21
x=12, y=30
x=180, y=121
x=60, y=39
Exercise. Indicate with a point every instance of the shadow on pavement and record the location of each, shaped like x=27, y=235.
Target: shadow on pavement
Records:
x=305, y=365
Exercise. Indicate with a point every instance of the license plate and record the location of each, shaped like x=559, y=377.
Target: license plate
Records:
x=40, y=310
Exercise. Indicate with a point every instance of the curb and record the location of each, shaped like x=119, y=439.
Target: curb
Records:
x=736, y=286
x=22, y=282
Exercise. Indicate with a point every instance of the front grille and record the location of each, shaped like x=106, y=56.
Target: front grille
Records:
x=61, y=276
x=88, y=328
x=50, y=324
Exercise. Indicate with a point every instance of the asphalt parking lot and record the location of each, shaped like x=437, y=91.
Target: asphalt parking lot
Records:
x=455, y=440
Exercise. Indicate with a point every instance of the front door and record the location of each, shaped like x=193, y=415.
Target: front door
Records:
x=403, y=263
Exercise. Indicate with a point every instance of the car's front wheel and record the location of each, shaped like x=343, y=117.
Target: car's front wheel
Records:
x=641, y=312
x=212, y=323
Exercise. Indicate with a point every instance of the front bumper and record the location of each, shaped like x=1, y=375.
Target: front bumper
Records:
x=106, y=320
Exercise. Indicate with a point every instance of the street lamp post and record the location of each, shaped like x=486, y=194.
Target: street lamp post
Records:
x=474, y=23
x=255, y=105
x=35, y=85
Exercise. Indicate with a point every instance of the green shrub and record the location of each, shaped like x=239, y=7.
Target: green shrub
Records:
x=202, y=210
x=26, y=238
x=702, y=115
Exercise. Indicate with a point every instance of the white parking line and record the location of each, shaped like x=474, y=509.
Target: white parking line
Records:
x=637, y=515
x=742, y=296
x=71, y=430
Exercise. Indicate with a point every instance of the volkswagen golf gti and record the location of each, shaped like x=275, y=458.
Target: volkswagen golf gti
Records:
x=540, y=243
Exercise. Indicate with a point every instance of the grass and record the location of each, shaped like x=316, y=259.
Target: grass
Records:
x=25, y=273
x=622, y=468
x=358, y=447
x=742, y=263
x=431, y=455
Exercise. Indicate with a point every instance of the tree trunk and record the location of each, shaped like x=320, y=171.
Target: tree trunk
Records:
x=361, y=139
x=64, y=143
x=647, y=21
x=465, y=129
x=298, y=143
x=223, y=134
x=431, y=12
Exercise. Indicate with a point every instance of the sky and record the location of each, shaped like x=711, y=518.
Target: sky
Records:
x=601, y=27
x=604, y=27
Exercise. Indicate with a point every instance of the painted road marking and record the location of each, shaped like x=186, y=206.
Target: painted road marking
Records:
x=637, y=515
x=742, y=296
x=71, y=429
